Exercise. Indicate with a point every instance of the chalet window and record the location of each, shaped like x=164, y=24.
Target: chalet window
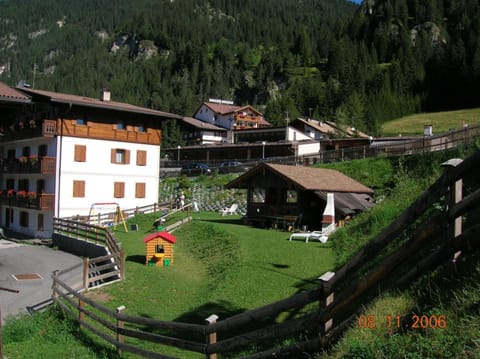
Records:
x=80, y=153
x=120, y=156
x=292, y=196
x=24, y=219
x=120, y=125
x=159, y=248
x=80, y=121
x=23, y=184
x=258, y=195
x=40, y=222
x=10, y=155
x=78, y=188
x=139, y=190
x=42, y=150
x=10, y=183
x=141, y=127
x=141, y=158
x=119, y=189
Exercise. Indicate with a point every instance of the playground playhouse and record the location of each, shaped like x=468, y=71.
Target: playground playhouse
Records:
x=159, y=249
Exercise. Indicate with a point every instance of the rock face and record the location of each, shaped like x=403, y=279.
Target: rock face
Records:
x=136, y=49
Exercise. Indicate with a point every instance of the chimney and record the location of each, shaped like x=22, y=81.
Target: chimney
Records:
x=105, y=94
x=329, y=212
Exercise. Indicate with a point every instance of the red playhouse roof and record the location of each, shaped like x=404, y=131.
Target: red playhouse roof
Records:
x=165, y=235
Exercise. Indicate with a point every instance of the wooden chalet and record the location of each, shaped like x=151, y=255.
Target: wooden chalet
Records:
x=283, y=195
x=229, y=116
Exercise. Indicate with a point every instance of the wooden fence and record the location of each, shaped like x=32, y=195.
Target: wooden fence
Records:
x=100, y=269
x=424, y=237
x=398, y=146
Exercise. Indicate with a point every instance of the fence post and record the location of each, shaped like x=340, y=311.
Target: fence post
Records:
x=54, y=284
x=212, y=337
x=81, y=313
x=328, y=300
x=86, y=264
x=455, y=196
x=122, y=264
x=120, y=325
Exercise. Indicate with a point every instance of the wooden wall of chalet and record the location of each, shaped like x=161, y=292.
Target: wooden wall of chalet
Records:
x=109, y=131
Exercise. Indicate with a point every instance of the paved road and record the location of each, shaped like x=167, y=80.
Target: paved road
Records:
x=17, y=259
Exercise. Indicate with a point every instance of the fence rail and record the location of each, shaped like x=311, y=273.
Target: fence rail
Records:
x=425, y=236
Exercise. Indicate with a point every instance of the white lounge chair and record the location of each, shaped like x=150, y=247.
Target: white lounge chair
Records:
x=230, y=211
x=310, y=235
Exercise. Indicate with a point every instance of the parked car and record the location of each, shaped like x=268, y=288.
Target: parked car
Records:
x=232, y=166
x=195, y=169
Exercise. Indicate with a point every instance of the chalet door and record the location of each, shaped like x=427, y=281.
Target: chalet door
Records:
x=40, y=186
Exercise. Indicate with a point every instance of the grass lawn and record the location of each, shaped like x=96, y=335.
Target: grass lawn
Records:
x=441, y=122
x=221, y=266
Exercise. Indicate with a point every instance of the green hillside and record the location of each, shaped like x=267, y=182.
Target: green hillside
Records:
x=441, y=121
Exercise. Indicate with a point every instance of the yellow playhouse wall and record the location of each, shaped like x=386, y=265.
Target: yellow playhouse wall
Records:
x=167, y=246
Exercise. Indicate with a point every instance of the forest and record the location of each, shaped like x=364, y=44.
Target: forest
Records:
x=355, y=64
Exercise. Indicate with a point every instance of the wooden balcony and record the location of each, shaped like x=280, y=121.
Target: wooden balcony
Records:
x=43, y=202
x=43, y=128
x=44, y=165
x=105, y=131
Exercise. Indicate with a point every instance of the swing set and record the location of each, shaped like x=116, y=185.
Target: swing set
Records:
x=106, y=219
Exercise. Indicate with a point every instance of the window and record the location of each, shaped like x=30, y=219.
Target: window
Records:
x=10, y=183
x=258, y=195
x=26, y=151
x=120, y=156
x=141, y=127
x=24, y=219
x=141, y=158
x=42, y=150
x=120, y=125
x=40, y=222
x=119, y=189
x=291, y=196
x=80, y=153
x=139, y=190
x=80, y=121
x=23, y=185
x=78, y=188
x=159, y=248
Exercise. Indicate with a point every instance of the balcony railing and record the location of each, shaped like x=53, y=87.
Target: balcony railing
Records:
x=44, y=201
x=44, y=165
x=18, y=131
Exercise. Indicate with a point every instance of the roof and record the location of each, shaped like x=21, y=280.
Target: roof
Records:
x=91, y=102
x=349, y=203
x=331, y=128
x=202, y=125
x=164, y=235
x=9, y=94
x=307, y=178
x=224, y=109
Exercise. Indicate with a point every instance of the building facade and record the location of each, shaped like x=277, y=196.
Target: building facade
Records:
x=63, y=153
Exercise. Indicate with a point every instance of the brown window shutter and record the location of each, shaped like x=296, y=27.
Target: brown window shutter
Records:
x=141, y=158
x=119, y=189
x=127, y=157
x=78, y=188
x=140, y=190
x=112, y=155
x=80, y=153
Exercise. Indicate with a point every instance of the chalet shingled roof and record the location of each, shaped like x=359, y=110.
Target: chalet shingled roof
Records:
x=97, y=103
x=9, y=94
x=307, y=178
x=202, y=125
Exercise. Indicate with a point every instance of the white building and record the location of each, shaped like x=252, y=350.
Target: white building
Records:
x=62, y=153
